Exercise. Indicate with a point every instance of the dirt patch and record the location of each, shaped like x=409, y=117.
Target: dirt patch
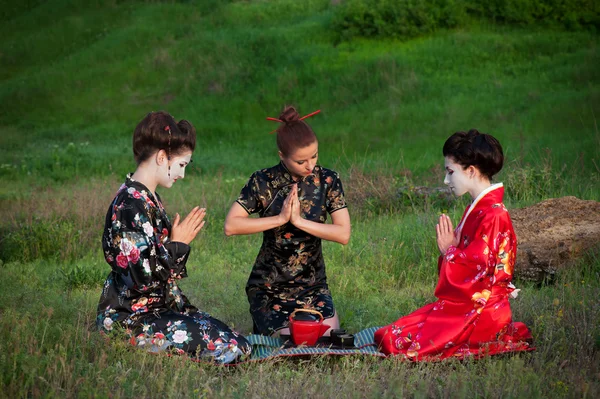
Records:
x=553, y=233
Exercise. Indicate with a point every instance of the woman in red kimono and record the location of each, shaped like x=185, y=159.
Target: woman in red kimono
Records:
x=472, y=315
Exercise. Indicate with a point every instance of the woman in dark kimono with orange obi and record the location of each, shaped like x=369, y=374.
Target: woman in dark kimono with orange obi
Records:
x=472, y=315
x=293, y=199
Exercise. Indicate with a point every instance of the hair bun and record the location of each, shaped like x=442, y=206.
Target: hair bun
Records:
x=186, y=127
x=289, y=115
x=473, y=133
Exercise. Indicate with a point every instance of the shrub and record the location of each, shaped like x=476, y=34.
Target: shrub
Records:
x=401, y=19
x=404, y=19
x=569, y=14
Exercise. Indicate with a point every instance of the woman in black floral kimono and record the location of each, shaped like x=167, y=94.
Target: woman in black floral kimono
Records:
x=148, y=254
x=292, y=199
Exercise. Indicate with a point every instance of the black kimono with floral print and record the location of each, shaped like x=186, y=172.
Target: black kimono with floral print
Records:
x=141, y=293
x=289, y=271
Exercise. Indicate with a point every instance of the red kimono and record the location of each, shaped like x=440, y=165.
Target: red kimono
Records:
x=472, y=316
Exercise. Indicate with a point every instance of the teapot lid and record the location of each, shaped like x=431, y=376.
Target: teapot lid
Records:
x=304, y=316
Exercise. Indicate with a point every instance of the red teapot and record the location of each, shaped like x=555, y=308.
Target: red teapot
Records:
x=306, y=330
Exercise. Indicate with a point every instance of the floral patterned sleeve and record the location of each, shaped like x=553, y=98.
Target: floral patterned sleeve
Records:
x=335, y=193
x=138, y=245
x=249, y=197
x=479, y=261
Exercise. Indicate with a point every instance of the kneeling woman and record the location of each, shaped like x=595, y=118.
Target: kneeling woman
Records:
x=292, y=199
x=148, y=254
x=472, y=315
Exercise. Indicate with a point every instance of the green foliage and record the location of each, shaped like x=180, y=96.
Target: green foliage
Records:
x=34, y=242
x=569, y=14
x=46, y=239
x=401, y=19
x=80, y=275
x=527, y=183
x=404, y=19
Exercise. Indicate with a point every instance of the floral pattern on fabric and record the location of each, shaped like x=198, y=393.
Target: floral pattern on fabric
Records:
x=289, y=271
x=472, y=315
x=141, y=293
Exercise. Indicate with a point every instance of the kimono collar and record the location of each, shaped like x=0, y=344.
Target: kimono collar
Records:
x=493, y=194
x=144, y=191
x=288, y=175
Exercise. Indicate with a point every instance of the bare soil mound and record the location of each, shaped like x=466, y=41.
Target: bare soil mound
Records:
x=552, y=233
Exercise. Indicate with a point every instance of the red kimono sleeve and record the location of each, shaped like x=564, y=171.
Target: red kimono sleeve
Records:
x=469, y=267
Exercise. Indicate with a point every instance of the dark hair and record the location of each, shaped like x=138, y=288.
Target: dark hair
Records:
x=474, y=148
x=293, y=133
x=152, y=134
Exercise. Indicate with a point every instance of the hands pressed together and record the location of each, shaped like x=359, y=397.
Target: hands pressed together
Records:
x=186, y=230
x=445, y=234
x=290, y=211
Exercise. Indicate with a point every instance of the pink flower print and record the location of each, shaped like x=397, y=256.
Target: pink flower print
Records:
x=450, y=253
x=122, y=261
x=401, y=342
x=463, y=351
x=479, y=275
x=136, y=194
x=134, y=255
x=126, y=246
x=180, y=336
x=148, y=229
x=146, y=265
x=108, y=322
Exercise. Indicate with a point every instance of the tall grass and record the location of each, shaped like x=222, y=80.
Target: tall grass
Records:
x=75, y=78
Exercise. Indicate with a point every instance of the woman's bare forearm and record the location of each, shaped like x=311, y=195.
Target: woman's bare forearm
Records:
x=330, y=232
x=236, y=225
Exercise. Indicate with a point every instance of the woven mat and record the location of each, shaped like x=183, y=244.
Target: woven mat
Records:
x=264, y=347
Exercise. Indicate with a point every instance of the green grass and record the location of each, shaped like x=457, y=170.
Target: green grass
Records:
x=76, y=77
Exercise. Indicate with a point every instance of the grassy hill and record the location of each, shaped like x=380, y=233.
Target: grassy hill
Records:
x=87, y=71
x=77, y=76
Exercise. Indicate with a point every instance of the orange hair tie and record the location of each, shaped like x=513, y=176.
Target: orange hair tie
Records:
x=301, y=119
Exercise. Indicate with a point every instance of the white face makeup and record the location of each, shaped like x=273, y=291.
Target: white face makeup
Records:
x=177, y=169
x=302, y=161
x=456, y=177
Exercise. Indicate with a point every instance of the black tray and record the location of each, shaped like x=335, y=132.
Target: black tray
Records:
x=323, y=342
